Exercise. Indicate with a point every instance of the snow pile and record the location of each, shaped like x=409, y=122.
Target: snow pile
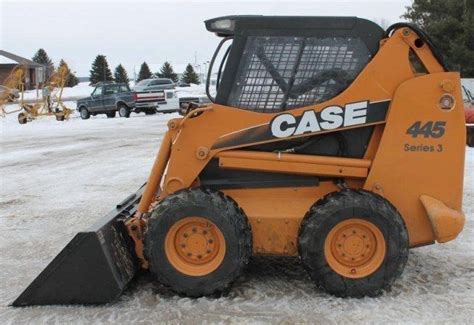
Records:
x=81, y=90
x=61, y=177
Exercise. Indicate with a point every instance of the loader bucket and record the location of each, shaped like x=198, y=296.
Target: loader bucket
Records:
x=94, y=268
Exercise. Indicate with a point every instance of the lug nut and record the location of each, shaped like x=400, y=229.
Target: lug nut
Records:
x=185, y=235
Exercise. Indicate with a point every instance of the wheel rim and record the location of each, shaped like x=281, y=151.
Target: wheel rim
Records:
x=83, y=113
x=355, y=248
x=195, y=246
x=122, y=111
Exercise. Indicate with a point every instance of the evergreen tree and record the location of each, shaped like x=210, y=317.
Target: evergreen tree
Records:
x=144, y=73
x=190, y=76
x=450, y=23
x=71, y=80
x=42, y=57
x=167, y=71
x=120, y=74
x=100, y=70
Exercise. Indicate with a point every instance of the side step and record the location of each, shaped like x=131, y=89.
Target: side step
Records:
x=94, y=268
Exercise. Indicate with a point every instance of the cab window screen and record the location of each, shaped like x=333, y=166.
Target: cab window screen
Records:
x=281, y=73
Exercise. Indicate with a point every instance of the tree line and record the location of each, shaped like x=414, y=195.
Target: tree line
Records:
x=100, y=71
x=42, y=57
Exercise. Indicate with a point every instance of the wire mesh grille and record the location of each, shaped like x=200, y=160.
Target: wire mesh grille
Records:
x=280, y=73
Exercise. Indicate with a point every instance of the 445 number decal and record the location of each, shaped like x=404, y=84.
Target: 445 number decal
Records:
x=430, y=129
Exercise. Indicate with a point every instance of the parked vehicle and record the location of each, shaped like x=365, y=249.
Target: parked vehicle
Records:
x=110, y=98
x=469, y=114
x=200, y=100
x=154, y=84
x=338, y=167
x=183, y=84
x=172, y=103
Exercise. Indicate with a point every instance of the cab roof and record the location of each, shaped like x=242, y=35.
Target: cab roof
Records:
x=230, y=25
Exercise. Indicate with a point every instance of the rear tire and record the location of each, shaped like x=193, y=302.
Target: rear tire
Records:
x=353, y=243
x=84, y=113
x=111, y=114
x=124, y=111
x=197, y=242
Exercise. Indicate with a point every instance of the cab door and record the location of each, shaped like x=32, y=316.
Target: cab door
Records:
x=96, y=104
x=108, y=97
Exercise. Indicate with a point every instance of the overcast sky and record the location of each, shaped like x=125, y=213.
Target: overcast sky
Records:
x=130, y=32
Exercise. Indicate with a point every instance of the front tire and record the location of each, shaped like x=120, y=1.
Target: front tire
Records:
x=353, y=243
x=124, y=111
x=84, y=113
x=197, y=242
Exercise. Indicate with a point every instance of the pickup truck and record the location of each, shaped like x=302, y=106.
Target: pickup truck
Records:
x=110, y=98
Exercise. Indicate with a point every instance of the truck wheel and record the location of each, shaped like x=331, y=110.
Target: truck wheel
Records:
x=353, y=243
x=198, y=242
x=111, y=114
x=84, y=113
x=22, y=118
x=123, y=110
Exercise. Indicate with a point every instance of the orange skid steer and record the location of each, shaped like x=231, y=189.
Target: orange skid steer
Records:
x=328, y=139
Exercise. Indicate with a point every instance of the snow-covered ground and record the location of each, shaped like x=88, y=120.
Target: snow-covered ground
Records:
x=60, y=177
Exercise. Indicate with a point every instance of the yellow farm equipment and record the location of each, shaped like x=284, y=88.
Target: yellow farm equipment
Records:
x=51, y=103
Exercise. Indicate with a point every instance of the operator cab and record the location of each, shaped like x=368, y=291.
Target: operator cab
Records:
x=276, y=63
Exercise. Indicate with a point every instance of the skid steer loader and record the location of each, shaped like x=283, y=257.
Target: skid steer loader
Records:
x=328, y=139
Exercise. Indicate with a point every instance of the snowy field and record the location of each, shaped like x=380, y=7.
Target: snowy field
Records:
x=60, y=177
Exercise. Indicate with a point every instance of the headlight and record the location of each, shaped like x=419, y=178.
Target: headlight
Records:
x=221, y=25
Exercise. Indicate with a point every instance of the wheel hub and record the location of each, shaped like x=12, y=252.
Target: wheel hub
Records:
x=195, y=246
x=355, y=248
x=197, y=242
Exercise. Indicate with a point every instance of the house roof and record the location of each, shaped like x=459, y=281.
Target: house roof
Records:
x=18, y=59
